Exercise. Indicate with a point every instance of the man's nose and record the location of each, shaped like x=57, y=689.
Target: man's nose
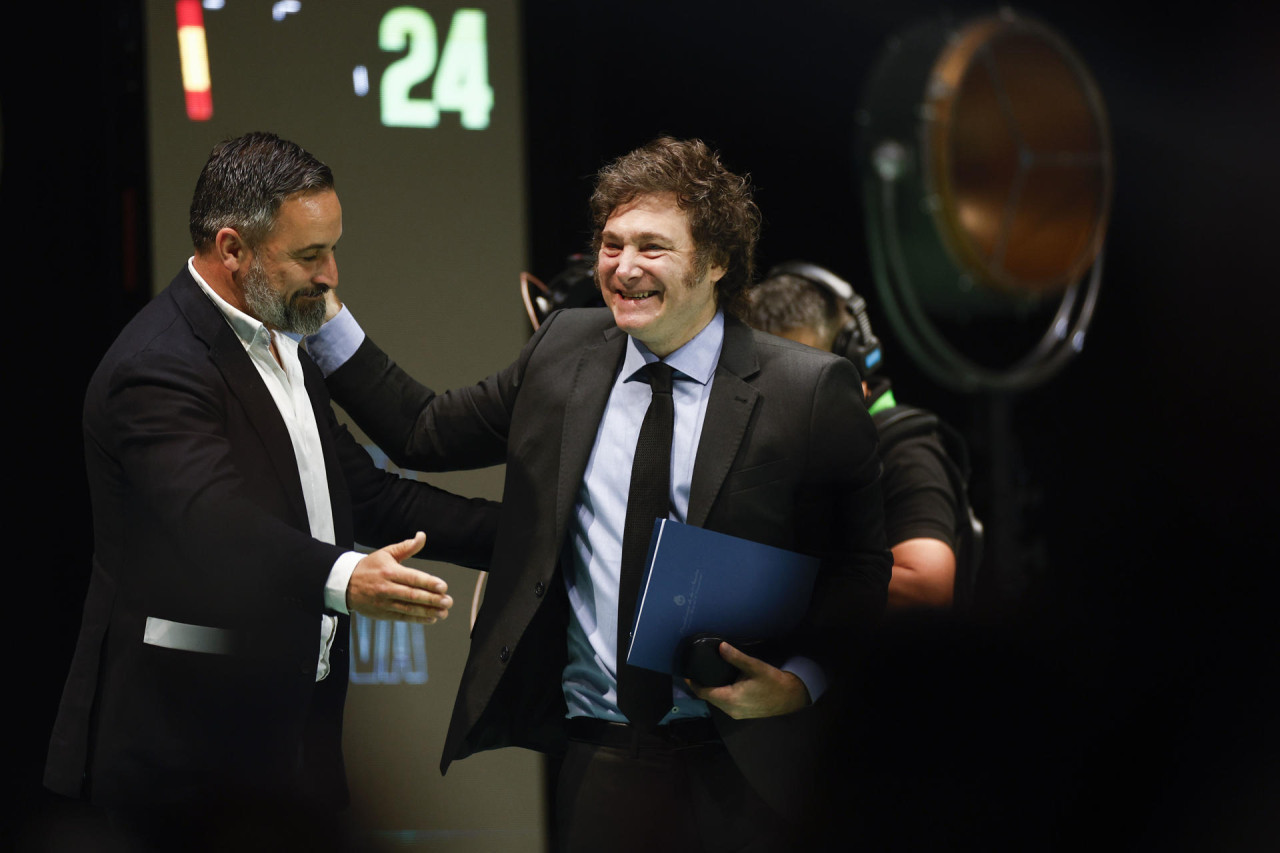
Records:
x=627, y=268
x=328, y=274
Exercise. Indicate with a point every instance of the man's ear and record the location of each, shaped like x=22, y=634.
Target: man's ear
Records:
x=231, y=250
x=719, y=266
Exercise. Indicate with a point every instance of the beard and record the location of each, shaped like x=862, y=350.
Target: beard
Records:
x=287, y=314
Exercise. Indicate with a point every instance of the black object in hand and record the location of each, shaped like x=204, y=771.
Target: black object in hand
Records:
x=699, y=657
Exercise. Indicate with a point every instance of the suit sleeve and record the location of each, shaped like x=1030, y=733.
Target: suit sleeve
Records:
x=461, y=429
x=845, y=469
x=388, y=508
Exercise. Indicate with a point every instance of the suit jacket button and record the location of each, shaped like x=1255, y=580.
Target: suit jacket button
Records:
x=505, y=654
x=539, y=588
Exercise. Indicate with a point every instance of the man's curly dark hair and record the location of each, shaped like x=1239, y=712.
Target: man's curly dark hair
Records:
x=723, y=218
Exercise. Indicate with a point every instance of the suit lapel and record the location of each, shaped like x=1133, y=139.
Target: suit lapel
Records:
x=584, y=408
x=728, y=412
x=243, y=380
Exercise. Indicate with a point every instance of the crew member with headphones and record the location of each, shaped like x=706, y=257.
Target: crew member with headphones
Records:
x=928, y=520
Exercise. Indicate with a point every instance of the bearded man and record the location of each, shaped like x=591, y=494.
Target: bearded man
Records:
x=211, y=669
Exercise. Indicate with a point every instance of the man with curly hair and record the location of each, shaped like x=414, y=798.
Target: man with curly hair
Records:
x=761, y=448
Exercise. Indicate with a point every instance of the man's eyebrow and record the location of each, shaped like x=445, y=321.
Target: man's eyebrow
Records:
x=314, y=247
x=642, y=237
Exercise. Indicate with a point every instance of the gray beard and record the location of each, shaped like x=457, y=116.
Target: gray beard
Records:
x=271, y=308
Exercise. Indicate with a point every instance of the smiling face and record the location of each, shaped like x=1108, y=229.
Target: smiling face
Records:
x=293, y=268
x=648, y=275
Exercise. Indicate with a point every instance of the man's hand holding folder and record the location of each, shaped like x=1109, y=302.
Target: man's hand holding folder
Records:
x=762, y=691
x=699, y=581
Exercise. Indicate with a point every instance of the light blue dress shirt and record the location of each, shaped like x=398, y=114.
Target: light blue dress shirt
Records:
x=593, y=551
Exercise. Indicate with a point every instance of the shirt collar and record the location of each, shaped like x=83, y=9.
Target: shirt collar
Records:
x=249, y=330
x=695, y=360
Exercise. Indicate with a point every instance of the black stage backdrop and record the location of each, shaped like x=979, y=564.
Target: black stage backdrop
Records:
x=1125, y=697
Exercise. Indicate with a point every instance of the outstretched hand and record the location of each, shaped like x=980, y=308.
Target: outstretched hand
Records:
x=762, y=691
x=380, y=587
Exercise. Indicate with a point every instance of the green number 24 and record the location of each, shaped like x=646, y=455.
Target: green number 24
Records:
x=461, y=77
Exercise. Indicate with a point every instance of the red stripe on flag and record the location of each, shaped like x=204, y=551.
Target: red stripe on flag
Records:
x=200, y=105
x=189, y=13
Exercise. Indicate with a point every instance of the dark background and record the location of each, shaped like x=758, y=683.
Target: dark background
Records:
x=1121, y=688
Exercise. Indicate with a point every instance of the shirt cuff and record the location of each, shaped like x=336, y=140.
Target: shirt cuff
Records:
x=815, y=680
x=335, y=589
x=336, y=342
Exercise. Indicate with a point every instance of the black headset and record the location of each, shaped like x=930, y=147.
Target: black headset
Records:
x=855, y=340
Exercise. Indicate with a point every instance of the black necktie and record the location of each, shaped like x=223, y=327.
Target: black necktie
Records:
x=644, y=696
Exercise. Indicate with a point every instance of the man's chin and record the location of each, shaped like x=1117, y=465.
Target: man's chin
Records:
x=630, y=323
x=635, y=313
x=310, y=325
x=306, y=322
x=307, y=313
x=641, y=329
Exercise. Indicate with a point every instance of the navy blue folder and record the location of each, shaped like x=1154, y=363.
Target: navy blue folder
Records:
x=699, y=580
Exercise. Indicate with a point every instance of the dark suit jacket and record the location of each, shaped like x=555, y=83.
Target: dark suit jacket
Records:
x=787, y=457
x=199, y=518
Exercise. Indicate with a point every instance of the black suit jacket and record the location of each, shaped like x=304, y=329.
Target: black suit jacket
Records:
x=199, y=518
x=787, y=457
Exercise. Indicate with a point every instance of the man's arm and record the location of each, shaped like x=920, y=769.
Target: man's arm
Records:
x=920, y=520
x=924, y=574
x=237, y=556
x=844, y=512
x=417, y=428
x=385, y=508
x=843, y=521
x=421, y=430
x=389, y=508
x=166, y=423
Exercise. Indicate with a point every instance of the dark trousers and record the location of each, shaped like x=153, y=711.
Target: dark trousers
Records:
x=619, y=792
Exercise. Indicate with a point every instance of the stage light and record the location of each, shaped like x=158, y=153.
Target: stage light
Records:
x=987, y=176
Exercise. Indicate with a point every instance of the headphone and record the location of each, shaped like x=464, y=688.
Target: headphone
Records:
x=855, y=340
